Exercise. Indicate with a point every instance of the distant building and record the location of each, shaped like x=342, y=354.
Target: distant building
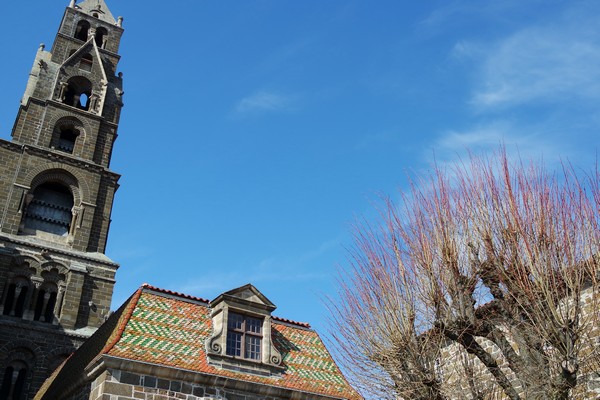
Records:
x=165, y=345
x=56, y=283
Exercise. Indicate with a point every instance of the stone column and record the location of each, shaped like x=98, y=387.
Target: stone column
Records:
x=18, y=289
x=44, y=307
x=59, y=300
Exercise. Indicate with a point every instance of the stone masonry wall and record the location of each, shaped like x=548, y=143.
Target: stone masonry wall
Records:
x=122, y=385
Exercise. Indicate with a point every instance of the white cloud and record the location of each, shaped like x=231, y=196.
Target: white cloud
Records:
x=263, y=101
x=541, y=64
x=530, y=142
x=534, y=90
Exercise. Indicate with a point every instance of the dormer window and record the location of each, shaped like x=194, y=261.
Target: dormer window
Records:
x=241, y=337
x=244, y=336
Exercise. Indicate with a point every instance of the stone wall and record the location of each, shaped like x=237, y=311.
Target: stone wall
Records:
x=40, y=346
x=122, y=385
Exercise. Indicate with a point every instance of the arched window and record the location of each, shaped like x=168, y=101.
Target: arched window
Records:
x=101, y=37
x=78, y=92
x=50, y=209
x=15, y=298
x=81, y=32
x=86, y=63
x=66, y=132
x=13, y=381
x=45, y=303
x=66, y=140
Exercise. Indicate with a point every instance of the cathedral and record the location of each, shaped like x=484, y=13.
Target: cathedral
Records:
x=58, y=338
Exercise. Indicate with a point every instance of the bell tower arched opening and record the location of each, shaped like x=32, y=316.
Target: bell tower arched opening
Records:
x=82, y=30
x=78, y=93
x=50, y=210
x=101, y=37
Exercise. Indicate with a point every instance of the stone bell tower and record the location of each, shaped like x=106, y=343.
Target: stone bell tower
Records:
x=56, y=195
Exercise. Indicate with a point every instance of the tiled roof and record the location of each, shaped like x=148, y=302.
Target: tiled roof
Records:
x=171, y=331
x=167, y=328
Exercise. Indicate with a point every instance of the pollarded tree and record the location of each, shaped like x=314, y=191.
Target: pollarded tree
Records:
x=482, y=283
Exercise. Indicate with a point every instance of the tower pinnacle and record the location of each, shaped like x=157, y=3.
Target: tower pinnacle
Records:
x=97, y=9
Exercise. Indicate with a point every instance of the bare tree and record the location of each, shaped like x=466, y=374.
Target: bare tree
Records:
x=481, y=283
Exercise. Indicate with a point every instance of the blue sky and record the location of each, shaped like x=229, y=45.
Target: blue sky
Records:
x=255, y=132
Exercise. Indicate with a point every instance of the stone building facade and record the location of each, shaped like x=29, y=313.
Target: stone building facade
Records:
x=56, y=196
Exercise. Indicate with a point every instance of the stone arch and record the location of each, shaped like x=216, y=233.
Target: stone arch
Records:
x=16, y=369
x=21, y=349
x=31, y=262
x=53, y=203
x=67, y=132
x=59, y=267
x=25, y=266
x=61, y=177
x=63, y=115
x=19, y=286
x=63, y=118
x=61, y=173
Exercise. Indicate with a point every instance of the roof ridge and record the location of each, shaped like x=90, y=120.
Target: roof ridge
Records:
x=292, y=322
x=173, y=293
x=190, y=297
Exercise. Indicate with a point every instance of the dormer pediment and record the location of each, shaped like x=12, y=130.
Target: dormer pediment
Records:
x=247, y=295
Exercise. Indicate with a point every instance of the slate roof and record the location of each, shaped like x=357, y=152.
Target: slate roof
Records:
x=166, y=328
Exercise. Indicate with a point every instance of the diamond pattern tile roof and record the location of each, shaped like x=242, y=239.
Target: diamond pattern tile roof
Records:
x=171, y=331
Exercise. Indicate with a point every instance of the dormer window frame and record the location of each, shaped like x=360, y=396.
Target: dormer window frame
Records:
x=246, y=302
x=249, y=345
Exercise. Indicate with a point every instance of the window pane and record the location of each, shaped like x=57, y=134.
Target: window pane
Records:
x=253, y=325
x=234, y=344
x=235, y=321
x=253, y=347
